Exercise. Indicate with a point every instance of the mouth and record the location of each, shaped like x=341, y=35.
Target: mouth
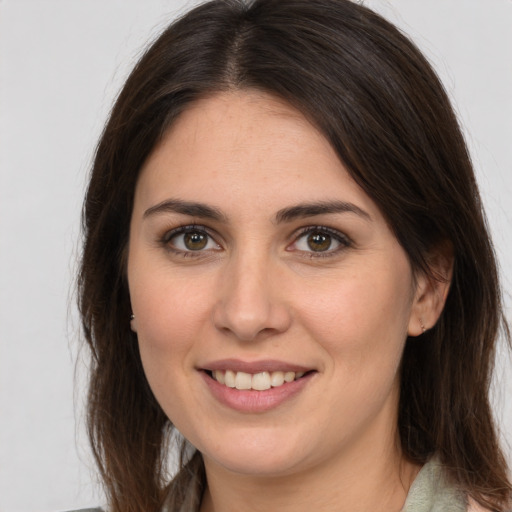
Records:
x=257, y=386
x=260, y=381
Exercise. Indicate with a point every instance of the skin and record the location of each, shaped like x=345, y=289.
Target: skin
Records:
x=257, y=291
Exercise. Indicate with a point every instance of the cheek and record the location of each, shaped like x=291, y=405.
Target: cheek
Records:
x=170, y=319
x=170, y=315
x=361, y=326
x=361, y=321
x=164, y=300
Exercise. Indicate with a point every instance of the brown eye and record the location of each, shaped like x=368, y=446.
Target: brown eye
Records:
x=319, y=242
x=195, y=241
x=190, y=239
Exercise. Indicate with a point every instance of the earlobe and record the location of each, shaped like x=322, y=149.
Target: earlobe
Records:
x=133, y=327
x=431, y=293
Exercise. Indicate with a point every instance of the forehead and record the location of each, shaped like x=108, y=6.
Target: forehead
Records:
x=246, y=122
x=247, y=145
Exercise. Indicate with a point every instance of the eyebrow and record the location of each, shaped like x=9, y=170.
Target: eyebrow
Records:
x=190, y=208
x=319, y=208
x=299, y=211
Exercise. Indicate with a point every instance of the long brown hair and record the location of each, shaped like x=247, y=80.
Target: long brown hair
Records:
x=378, y=102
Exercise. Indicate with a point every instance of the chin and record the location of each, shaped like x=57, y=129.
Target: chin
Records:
x=257, y=455
x=261, y=466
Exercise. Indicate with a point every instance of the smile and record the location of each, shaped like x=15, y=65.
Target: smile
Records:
x=259, y=386
x=258, y=381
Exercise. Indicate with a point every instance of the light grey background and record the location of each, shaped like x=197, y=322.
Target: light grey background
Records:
x=61, y=64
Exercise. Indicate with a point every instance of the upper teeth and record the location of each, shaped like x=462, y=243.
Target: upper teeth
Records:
x=258, y=381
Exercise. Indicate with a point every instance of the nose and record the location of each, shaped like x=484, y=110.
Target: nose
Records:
x=250, y=304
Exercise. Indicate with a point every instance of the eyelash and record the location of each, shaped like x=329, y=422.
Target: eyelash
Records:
x=183, y=230
x=343, y=240
x=339, y=237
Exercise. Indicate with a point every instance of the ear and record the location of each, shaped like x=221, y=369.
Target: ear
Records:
x=431, y=291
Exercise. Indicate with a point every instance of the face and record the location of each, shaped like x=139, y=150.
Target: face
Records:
x=271, y=300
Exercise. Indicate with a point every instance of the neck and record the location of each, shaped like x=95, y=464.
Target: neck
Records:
x=378, y=482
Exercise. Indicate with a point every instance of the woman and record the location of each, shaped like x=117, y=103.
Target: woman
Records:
x=286, y=260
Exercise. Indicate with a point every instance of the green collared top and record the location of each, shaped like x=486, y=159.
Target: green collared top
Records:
x=430, y=492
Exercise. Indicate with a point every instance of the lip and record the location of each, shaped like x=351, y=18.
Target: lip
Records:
x=265, y=365
x=252, y=401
